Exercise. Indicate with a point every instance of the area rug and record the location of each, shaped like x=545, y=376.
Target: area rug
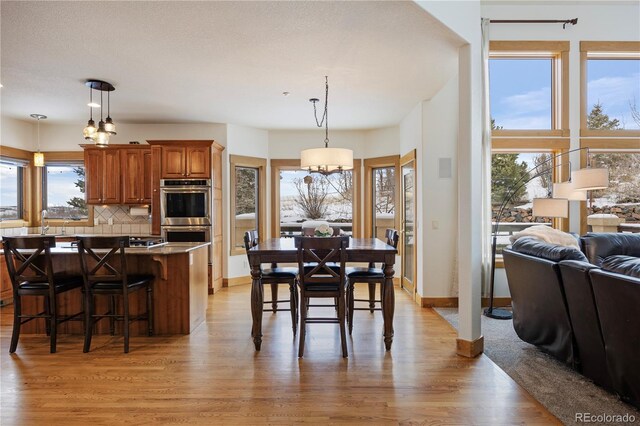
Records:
x=562, y=391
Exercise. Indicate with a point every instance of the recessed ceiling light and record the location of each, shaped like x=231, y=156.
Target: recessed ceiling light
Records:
x=93, y=105
x=286, y=94
x=1, y=85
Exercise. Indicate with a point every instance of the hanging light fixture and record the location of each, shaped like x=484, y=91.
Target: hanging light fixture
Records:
x=38, y=157
x=100, y=135
x=325, y=160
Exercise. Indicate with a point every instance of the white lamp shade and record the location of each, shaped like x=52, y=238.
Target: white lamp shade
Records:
x=551, y=207
x=568, y=191
x=588, y=179
x=326, y=159
x=38, y=159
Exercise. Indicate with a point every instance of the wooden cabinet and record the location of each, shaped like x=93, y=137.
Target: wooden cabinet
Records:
x=179, y=162
x=102, y=171
x=136, y=176
x=6, y=290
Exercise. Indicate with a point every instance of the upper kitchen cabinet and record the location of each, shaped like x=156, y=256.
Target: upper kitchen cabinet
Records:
x=102, y=170
x=185, y=159
x=136, y=175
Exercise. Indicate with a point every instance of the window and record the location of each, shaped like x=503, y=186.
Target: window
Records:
x=300, y=196
x=381, y=182
x=527, y=89
x=610, y=88
x=248, y=182
x=63, y=191
x=11, y=192
x=507, y=169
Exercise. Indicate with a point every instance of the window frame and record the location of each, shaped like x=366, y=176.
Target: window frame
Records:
x=603, y=146
x=558, y=52
x=618, y=48
x=294, y=164
x=253, y=163
x=21, y=171
x=370, y=164
x=58, y=157
x=22, y=156
x=554, y=146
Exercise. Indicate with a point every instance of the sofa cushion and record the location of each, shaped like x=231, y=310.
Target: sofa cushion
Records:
x=625, y=265
x=553, y=252
x=599, y=246
x=548, y=235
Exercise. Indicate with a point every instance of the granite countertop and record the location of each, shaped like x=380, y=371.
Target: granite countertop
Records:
x=164, y=249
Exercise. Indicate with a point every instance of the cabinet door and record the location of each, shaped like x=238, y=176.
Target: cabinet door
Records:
x=198, y=162
x=6, y=289
x=173, y=162
x=111, y=177
x=132, y=176
x=93, y=163
x=146, y=177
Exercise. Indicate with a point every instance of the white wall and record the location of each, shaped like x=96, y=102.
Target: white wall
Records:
x=18, y=133
x=241, y=140
x=596, y=22
x=381, y=142
x=287, y=144
x=439, y=196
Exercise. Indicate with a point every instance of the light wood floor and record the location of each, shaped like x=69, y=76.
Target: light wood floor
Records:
x=214, y=376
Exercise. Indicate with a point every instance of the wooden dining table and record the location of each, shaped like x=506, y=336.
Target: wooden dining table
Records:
x=282, y=250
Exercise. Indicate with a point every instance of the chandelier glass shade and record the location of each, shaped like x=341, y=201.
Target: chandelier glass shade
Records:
x=99, y=134
x=325, y=160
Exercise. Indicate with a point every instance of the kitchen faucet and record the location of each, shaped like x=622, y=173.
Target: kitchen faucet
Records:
x=64, y=224
x=43, y=228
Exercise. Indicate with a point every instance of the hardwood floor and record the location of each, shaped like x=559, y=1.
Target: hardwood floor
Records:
x=214, y=376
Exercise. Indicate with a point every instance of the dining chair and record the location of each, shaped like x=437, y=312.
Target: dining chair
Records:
x=275, y=276
x=32, y=274
x=371, y=276
x=322, y=281
x=104, y=269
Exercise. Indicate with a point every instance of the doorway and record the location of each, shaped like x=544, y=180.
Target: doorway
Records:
x=407, y=227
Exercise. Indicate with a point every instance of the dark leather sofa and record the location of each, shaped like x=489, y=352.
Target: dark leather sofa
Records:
x=583, y=310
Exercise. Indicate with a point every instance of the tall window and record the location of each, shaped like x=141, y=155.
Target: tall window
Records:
x=63, y=191
x=509, y=168
x=610, y=88
x=308, y=196
x=528, y=89
x=248, y=187
x=10, y=190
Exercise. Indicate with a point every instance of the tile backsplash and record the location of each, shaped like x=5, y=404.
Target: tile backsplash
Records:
x=123, y=223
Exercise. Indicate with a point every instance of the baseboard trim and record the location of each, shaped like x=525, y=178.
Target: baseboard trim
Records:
x=470, y=349
x=452, y=302
x=232, y=282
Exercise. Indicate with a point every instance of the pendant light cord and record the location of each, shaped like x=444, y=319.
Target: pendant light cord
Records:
x=38, y=134
x=325, y=116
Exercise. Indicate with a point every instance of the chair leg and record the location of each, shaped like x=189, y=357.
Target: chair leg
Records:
x=341, y=318
x=112, y=312
x=350, y=306
x=372, y=296
x=17, y=311
x=89, y=321
x=150, y=309
x=125, y=317
x=53, y=320
x=274, y=297
x=47, y=311
x=303, y=325
x=293, y=305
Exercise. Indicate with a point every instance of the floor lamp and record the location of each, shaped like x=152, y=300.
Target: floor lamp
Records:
x=576, y=188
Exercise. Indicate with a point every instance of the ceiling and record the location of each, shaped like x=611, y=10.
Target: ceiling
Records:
x=223, y=62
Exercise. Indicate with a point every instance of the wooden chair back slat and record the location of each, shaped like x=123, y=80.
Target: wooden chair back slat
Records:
x=18, y=263
x=321, y=251
x=111, y=266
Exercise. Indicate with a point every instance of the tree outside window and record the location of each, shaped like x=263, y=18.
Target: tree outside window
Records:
x=63, y=192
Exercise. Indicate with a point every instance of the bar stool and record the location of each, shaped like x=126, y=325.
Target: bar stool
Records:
x=42, y=281
x=106, y=275
x=371, y=276
x=275, y=276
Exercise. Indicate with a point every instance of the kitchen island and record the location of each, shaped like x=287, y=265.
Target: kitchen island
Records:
x=179, y=289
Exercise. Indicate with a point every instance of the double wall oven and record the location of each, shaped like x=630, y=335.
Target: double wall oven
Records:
x=185, y=210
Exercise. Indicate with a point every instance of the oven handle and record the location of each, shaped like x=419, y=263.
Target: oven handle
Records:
x=186, y=190
x=186, y=228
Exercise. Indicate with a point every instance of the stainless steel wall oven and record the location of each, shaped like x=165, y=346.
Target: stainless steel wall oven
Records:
x=185, y=202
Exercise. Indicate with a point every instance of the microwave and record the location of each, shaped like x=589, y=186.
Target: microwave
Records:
x=185, y=202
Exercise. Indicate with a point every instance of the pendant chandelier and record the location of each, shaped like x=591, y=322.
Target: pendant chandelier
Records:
x=99, y=135
x=38, y=157
x=325, y=160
